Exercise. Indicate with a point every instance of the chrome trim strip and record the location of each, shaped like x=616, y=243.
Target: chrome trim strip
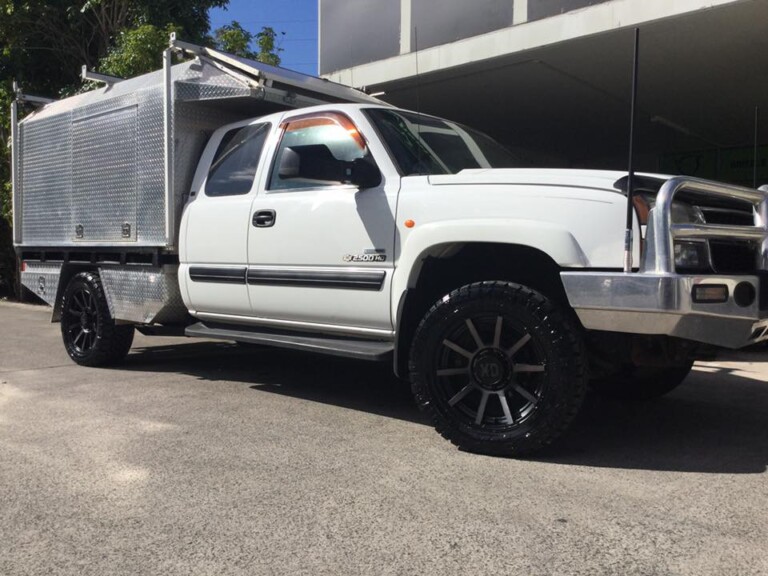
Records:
x=219, y=275
x=299, y=326
x=717, y=231
x=350, y=278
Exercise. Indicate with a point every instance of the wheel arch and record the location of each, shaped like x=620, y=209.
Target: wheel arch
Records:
x=445, y=267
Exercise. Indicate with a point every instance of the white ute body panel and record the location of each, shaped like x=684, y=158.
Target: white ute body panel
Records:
x=575, y=217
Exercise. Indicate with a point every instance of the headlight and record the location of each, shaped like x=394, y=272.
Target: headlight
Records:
x=683, y=213
x=691, y=256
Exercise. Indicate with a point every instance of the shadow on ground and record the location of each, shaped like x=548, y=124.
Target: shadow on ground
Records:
x=717, y=422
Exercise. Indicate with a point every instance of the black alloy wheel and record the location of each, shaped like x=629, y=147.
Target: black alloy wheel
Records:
x=90, y=335
x=498, y=368
x=82, y=320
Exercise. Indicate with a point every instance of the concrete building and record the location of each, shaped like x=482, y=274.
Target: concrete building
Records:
x=551, y=78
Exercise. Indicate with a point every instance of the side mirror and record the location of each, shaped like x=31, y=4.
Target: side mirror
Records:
x=364, y=173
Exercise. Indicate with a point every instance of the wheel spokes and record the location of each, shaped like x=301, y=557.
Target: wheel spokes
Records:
x=91, y=303
x=461, y=394
x=525, y=394
x=497, y=333
x=518, y=345
x=481, y=408
x=80, y=334
x=470, y=396
x=458, y=349
x=505, y=407
x=475, y=335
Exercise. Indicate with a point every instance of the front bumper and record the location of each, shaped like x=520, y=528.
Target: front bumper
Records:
x=651, y=303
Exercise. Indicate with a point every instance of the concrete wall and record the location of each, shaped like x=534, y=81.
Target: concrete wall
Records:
x=366, y=31
x=358, y=32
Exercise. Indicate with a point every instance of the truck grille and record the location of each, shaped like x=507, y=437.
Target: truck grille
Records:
x=733, y=258
x=730, y=217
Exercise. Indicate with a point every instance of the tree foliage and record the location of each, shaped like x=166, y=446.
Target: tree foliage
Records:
x=237, y=40
x=46, y=42
x=137, y=51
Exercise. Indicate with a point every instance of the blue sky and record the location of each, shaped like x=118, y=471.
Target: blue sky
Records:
x=297, y=18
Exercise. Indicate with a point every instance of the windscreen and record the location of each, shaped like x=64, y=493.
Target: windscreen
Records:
x=422, y=144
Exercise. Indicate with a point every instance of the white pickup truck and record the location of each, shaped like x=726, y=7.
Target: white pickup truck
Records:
x=361, y=230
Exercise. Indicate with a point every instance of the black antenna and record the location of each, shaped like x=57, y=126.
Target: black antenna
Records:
x=631, y=176
x=418, y=78
x=757, y=129
x=418, y=92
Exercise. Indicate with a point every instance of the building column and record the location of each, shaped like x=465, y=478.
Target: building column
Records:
x=405, y=26
x=519, y=12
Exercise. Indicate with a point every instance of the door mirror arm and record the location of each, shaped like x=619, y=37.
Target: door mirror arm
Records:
x=364, y=173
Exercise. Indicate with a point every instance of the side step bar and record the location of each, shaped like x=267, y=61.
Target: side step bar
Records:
x=349, y=348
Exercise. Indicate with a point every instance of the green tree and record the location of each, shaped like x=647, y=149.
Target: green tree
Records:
x=137, y=51
x=235, y=39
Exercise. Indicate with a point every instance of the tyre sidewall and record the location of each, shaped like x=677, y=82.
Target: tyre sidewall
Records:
x=564, y=382
x=104, y=349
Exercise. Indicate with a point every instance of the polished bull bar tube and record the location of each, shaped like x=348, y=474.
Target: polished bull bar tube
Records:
x=657, y=300
x=663, y=232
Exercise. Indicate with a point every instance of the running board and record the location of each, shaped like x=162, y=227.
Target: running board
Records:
x=349, y=348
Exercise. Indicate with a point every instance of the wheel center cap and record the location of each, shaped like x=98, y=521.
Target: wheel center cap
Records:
x=490, y=369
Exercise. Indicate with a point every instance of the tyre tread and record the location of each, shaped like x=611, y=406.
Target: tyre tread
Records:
x=573, y=343
x=114, y=341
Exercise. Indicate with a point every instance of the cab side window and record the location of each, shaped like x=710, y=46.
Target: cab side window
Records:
x=237, y=158
x=317, y=151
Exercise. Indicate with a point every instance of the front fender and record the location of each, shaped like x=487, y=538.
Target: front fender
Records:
x=431, y=239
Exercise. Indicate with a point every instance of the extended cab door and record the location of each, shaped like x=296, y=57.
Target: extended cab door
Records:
x=215, y=226
x=320, y=249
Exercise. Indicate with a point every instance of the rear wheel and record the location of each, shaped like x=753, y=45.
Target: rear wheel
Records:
x=638, y=383
x=498, y=368
x=90, y=335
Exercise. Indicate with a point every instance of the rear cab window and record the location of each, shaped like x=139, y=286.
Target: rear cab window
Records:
x=234, y=165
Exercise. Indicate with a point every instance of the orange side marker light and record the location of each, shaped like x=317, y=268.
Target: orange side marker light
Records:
x=410, y=223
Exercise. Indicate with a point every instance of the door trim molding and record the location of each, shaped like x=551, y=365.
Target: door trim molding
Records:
x=344, y=278
x=349, y=278
x=217, y=274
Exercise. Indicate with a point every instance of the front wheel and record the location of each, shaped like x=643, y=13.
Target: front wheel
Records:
x=90, y=335
x=499, y=369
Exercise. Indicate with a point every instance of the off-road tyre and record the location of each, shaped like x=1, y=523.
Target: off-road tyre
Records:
x=520, y=347
x=90, y=335
x=641, y=383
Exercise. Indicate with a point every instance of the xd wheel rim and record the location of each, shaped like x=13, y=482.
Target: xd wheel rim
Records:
x=82, y=321
x=490, y=372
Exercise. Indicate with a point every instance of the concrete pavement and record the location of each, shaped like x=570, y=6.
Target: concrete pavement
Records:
x=205, y=458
